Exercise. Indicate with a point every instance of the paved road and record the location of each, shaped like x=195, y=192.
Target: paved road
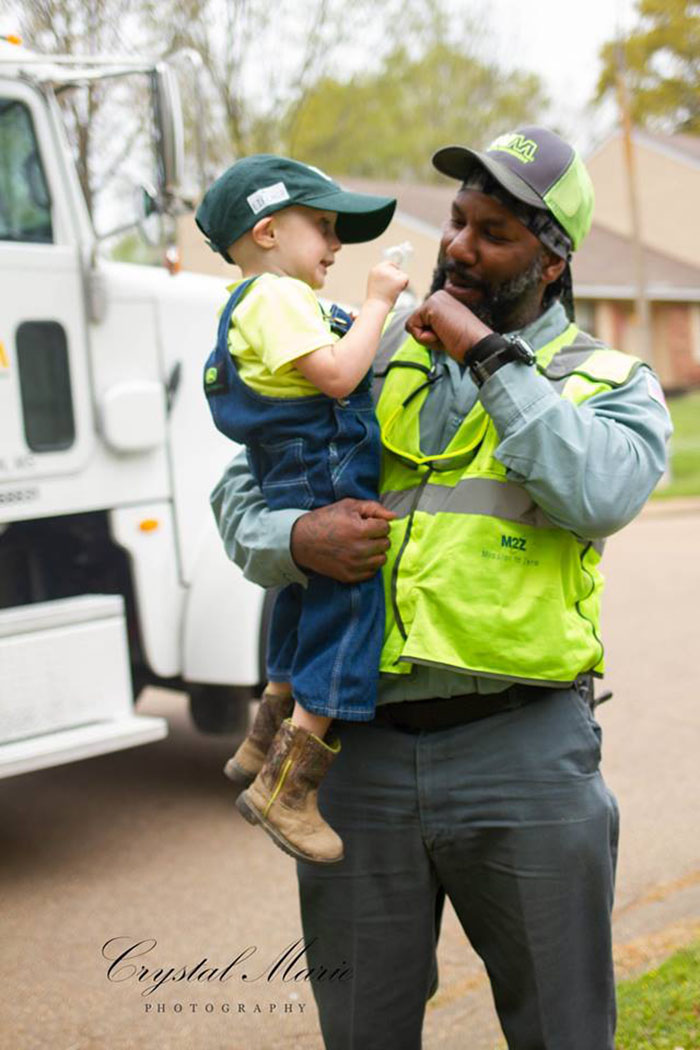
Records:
x=144, y=846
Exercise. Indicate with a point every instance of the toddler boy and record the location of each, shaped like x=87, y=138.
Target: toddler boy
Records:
x=292, y=383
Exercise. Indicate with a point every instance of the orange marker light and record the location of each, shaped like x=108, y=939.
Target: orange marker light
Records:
x=149, y=525
x=172, y=260
x=12, y=38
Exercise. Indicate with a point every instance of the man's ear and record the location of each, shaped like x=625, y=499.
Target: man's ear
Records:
x=553, y=267
x=264, y=233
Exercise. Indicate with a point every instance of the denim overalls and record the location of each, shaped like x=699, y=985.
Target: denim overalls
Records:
x=307, y=452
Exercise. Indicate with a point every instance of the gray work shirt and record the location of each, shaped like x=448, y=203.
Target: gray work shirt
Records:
x=590, y=468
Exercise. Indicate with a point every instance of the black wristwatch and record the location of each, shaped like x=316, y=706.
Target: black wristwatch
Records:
x=494, y=351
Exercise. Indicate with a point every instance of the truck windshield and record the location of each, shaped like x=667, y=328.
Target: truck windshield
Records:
x=25, y=205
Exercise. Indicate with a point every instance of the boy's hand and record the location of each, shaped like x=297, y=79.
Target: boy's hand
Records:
x=386, y=282
x=347, y=540
x=442, y=321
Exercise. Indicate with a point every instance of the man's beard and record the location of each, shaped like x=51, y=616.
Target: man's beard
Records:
x=503, y=307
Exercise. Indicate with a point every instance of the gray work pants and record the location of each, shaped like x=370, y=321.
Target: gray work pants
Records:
x=510, y=818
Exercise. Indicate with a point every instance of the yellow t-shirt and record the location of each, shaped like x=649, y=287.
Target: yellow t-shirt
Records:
x=278, y=320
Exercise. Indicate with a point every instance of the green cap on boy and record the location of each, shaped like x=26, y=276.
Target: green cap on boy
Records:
x=257, y=186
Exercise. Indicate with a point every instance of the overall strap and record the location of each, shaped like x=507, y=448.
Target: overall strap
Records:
x=219, y=366
x=227, y=312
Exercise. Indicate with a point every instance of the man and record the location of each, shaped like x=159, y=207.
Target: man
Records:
x=479, y=777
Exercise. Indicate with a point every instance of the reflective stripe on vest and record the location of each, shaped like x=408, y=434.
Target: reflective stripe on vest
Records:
x=478, y=578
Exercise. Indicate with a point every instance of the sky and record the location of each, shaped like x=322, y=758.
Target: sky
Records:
x=560, y=39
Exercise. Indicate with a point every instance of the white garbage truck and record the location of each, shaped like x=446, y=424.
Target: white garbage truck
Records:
x=112, y=574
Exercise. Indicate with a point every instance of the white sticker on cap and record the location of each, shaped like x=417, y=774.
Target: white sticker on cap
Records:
x=266, y=196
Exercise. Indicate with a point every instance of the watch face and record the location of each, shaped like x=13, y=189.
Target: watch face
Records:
x=521, y=350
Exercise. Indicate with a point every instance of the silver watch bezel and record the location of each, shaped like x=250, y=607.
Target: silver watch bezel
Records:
x=516, y=348
x=525, y=353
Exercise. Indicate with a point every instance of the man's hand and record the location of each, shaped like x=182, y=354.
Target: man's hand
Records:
x=347, y=540
x=442, y=321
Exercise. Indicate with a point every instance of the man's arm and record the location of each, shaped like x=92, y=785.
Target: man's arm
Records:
x=256, y=538
x=590, y=467
x=347, y=540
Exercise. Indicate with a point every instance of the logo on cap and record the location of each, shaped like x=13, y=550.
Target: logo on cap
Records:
x=518, y=146
x=266, y=196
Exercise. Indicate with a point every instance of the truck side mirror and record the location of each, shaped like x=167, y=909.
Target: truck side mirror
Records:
x=148, y=211
x=169, y=134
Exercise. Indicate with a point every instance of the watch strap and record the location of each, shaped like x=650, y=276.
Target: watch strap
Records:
x=493, y=352
x=487, y=346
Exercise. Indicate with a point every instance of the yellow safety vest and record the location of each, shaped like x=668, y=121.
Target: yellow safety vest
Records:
x=478, y=578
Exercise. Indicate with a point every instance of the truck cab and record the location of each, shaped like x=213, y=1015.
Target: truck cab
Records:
x=112, y=574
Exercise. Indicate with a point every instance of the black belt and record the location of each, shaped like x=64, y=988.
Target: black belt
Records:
x=416, y=715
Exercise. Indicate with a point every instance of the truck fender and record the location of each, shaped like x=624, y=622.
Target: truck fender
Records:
x=147, y=533
x=223, y=619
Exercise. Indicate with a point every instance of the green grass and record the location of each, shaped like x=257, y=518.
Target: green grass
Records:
x=661, y=1010
x=685, y=447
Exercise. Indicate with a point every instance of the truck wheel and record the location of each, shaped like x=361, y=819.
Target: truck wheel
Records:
x=220, y=709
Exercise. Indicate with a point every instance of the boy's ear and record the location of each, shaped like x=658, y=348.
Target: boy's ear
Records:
x=264, y=233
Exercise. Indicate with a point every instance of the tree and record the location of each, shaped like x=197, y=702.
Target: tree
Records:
x=389, y=123
x=348, y=94
x=71, y=26
x=661, y=59
x=102, y=119
x=262, y=57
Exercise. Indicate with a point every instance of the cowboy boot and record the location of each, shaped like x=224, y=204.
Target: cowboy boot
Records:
x=283, y=796
x=243, y=767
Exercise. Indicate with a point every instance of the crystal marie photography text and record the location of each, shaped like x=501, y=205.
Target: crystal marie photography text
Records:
x=250, y=966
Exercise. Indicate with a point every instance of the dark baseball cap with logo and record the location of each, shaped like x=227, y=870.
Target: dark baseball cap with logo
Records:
x=536, y=167
x=257, y=186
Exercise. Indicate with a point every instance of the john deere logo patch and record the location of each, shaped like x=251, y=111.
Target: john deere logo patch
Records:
x=215, y=381
x=517, y=145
